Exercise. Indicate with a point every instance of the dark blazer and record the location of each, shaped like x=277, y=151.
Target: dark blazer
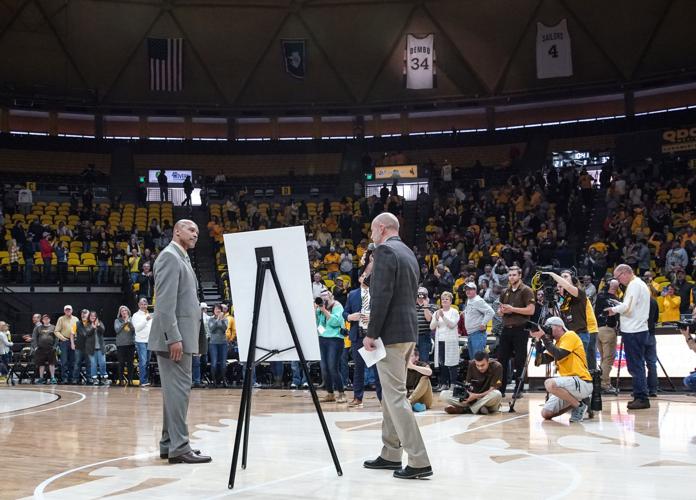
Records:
x=393, y=291
x=353, y=305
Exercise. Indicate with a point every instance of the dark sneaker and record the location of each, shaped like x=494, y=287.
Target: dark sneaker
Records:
x=638, y=404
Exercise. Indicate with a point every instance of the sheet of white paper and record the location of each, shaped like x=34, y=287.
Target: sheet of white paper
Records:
x=321, y=329
x=371, y=357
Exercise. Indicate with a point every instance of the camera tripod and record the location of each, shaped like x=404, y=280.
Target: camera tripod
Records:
x=520, y=383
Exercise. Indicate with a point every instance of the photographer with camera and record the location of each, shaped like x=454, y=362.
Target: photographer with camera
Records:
x=606, y=338
x=572, y=305
x=687, y=329
x=483, y=381
x=516, y=307
x=574, y=382
x=634, y=311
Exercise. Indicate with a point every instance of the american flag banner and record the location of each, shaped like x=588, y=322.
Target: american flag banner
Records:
x=166, y=56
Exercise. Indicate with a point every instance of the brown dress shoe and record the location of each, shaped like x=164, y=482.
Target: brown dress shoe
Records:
x=454, y=410
x=190, y=458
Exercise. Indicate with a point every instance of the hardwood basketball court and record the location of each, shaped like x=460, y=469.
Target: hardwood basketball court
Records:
x=73, y=442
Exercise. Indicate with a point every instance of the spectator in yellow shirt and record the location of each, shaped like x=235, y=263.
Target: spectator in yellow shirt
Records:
x=331, y=261
x=670, y=303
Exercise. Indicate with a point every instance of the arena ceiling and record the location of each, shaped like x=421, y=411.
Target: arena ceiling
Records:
x=94, y=52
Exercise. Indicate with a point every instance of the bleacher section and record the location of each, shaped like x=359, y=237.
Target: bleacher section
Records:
x=52, y=162
x=465, y=157
x=82, y=256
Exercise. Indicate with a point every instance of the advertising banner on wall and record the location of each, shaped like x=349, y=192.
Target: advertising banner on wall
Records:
x=396, y=172
x=173, y=176
x=675, y=140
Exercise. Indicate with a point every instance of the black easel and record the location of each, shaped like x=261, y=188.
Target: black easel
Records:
x=265, y=262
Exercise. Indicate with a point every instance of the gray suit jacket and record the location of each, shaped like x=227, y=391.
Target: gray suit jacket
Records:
x=393, y=292
x=177, y=310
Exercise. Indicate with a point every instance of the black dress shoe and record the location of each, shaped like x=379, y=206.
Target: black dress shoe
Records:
x=409, y=472
x=380, y=463
x=638, y=404
x=190, y=458
x=166, y=455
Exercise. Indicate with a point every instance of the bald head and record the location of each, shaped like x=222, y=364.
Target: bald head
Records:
x=623, y=273
x=384, y=226
x=185, y=233
x=613, y=286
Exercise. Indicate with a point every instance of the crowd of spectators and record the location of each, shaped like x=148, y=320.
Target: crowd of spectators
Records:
x=56, y=243
x=649, y=225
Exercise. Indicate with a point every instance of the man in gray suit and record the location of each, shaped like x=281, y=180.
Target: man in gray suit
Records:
x=393, y=318
x=174, y=339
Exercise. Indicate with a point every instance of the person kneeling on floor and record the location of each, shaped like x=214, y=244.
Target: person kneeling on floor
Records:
x=483, y=379
x=574, y=382
x=418, y=383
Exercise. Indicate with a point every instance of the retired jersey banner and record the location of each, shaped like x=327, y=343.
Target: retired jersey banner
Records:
x=419, y=62
x=295, y=56
x=553, y=55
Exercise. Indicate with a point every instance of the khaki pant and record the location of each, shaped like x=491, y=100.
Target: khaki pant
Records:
x=491, y=401
x=399, y=428
x=606, y=344
x=423, y=393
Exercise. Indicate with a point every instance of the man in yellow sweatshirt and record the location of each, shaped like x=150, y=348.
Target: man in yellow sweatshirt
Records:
x=66, y=327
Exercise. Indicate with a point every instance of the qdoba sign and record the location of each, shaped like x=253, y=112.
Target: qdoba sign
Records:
x=679, y=139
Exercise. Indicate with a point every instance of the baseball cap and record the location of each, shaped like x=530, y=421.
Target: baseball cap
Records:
x=471, y=285
x=67, y=306
x=555, y=321
x=204, y=305
x=422, y=290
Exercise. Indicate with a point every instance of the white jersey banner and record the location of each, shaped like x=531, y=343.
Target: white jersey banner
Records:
x=419, y=62
x=553, y=55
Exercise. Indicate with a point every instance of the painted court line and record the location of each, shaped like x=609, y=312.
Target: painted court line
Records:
x=39, y=490
x=82, y=398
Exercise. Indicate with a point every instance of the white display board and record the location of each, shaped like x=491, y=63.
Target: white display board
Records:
x=292, y=266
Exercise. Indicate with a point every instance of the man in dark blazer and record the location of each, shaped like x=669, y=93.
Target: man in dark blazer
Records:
x=174, y=339
x=358, y=324
x=393, y=318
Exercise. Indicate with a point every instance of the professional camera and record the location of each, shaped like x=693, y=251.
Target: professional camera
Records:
x=539, y=345
x=461, y=392
x=687, y=325
x=531, y=326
